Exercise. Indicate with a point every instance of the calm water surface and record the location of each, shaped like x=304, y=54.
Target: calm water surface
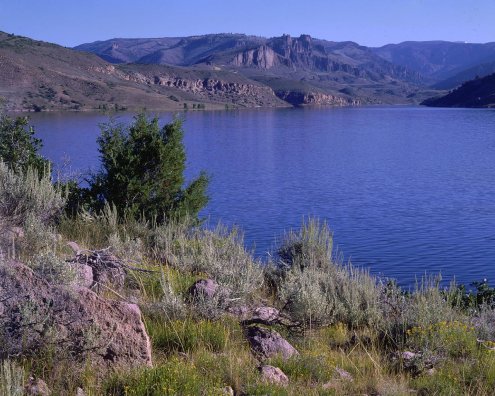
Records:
x=405, y=190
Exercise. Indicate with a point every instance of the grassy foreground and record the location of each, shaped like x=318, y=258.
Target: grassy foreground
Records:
x=427, y=341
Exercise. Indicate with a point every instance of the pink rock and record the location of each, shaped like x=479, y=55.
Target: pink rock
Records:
x=37, y=387
x=344, y=375
x=204, y=288
x=108, y=333
x=268, y=343
x=273, y=375
x=266, y=314
x=83, y=274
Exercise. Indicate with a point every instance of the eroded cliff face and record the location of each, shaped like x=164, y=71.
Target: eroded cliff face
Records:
x=283, y=51
x=240, y=93
x=263, y=57
x=306, y=54
x=294, y=53
x=316, y=98
x=206, y=89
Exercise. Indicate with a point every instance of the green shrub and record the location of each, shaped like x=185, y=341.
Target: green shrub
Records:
x=483, y=295
x=38, y=238
x=306, y=368
x=316, y=290
x=218, y=253
x=423, y=307
x=464, y=377
x=484, y=322
x=52, y=268
x=235, y=367
x=454, y=339
x=311, y=246
x=323, y=296
x=166, y=303
x=142, y=171
x=24, y=194
x=19, y=149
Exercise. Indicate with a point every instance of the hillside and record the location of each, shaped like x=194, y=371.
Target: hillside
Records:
x=479, y=92
x=481, y=70
x=212, y=71
x=40, y=76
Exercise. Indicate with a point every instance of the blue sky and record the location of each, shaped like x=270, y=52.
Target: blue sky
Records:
x=371, y=22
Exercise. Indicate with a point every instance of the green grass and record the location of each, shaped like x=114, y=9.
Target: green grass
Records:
x=176, y=376
x=189, y=336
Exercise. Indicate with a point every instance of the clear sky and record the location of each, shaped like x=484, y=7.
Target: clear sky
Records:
x=368, y=22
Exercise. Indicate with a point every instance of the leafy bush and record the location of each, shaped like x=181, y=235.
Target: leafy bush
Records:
x=423, y=307
x=142, y=171
x=311, y=246
x=322, y=296
x=19, y=149
x=427, y=305
x=484, y=322
x=165, y=304
x=460, y=377
x=482, y=295
x=219, y=253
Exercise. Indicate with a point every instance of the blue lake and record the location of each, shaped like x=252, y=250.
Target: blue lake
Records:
x=406, y=191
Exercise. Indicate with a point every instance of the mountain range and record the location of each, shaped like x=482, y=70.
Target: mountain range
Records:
x=231, y=70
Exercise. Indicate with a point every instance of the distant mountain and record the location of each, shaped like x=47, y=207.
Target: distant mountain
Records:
x=437, y=60
x=294, y=67
x=236, y=50
x=479, y=92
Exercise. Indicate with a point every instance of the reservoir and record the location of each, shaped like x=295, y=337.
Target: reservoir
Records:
x=405, y=190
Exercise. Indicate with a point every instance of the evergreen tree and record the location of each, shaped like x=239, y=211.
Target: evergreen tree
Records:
x=19, y=149
x=142, y=171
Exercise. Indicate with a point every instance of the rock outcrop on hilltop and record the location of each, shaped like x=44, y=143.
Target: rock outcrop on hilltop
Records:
x=294, y=53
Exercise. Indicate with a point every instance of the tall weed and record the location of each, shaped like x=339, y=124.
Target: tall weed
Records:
x=12, y=378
